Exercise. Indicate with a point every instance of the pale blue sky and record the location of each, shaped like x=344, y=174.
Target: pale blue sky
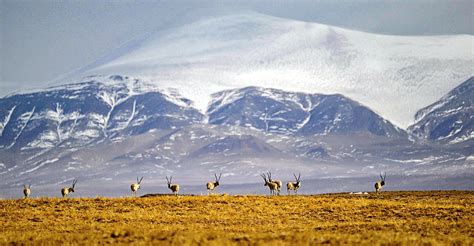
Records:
x=41, y=40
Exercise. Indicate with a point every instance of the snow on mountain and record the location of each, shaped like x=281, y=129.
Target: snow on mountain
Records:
x=451, y=119
x=393, y=75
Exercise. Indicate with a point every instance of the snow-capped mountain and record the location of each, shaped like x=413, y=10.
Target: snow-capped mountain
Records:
x=278, y=111
x=449, y=120
x=393, y=75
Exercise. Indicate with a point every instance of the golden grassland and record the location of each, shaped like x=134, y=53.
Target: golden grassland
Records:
x=431, y=217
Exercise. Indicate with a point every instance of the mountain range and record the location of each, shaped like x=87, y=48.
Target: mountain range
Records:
x=112, y=127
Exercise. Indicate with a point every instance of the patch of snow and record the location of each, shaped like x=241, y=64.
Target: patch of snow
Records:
x=4, y=123
x=24, y=120
x=462, y=138
x=41, y=164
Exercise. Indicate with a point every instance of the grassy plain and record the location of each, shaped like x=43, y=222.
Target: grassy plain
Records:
x=406, y=218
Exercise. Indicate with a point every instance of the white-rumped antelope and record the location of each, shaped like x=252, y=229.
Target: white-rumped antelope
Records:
x=136, y=186
x=381, y=183
x=278, y=182
x=271, y=185
x=27, y=190
x=294, y=185
x=173, y=187
x=66, y=190
x=212, y=185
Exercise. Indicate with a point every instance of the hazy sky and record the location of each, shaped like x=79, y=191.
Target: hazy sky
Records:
x=41, y=40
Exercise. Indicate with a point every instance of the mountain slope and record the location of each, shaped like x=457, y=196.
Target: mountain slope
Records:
x=277, y=111
x=97, y=107
x=393, y=75
x=450, y=119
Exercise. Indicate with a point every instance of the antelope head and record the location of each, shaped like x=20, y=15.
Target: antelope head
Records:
x=382, y=182
x=169, y=181
x=71, y=189
x=297, y=180
x=264, y=179
x=217, y=179
x=139, y=182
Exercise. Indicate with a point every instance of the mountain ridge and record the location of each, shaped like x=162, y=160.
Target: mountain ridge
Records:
x=450, y=119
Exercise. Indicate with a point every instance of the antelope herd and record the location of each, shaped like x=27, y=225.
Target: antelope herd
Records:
x=273, y=185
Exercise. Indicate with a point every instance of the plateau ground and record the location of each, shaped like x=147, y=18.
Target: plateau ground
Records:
x=409, y=217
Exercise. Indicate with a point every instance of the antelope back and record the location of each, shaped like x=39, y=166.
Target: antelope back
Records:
x=210, y=186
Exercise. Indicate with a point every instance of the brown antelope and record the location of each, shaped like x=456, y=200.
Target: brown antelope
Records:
x=272, y=186
x=278, y=182
x=294, y=185
x=381, y=183
x=27, y=190
x=136, y=186
x=173, y=187
x=66, y=190
x=212, y=185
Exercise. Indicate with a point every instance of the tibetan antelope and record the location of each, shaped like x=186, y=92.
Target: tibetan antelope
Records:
x=27, y=190
x=136, y=186
x=272, y=186
x=66, y=190
x=278, y=182
x=173, y=187
x=294, y=185
x=212, y=185
x=381, y=183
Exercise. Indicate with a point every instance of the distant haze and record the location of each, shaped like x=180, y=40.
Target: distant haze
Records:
x=42, y=40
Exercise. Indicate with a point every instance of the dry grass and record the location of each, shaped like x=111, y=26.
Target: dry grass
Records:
x=437, y=217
